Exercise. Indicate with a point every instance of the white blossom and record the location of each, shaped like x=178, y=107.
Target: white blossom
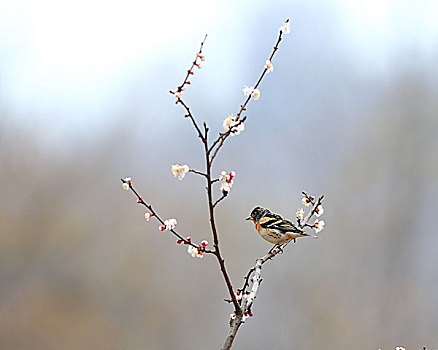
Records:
x=236, y=126
x=170, y=224
x=225, y=188
x=195, y=252
x=305, y=201
x=400, y=348
x=227, y=181
x=318, y=225
x=126, y=183
x=300, y=214
x=255, y=94
x=236, y=130
x=177, y=95
x=269, y=66
x=228, y=121
x=147, y=216
x=285, y=28
x=319, y=211
x=179, y=171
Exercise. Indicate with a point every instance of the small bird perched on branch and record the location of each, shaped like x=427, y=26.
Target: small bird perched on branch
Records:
x=274, y=228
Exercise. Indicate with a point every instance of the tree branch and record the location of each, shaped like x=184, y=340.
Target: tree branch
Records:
x=189, y=115
x=220, y=260
x=197, y=172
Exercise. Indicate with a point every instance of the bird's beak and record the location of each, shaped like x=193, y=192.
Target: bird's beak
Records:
x=249, y=218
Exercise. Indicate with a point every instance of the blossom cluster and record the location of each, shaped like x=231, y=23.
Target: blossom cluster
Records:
x=231, y=123
x=195, y=252
x=169, y=224
x=318, y=225
x=227, y=181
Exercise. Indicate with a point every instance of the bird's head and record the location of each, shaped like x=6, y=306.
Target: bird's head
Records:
x=257, y=213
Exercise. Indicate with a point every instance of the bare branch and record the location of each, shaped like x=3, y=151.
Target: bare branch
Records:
x=192, y=118
x=197, y=172
x=224, y=194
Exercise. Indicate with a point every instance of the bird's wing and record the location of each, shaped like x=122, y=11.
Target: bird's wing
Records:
x=288, y=226
x=276, y=222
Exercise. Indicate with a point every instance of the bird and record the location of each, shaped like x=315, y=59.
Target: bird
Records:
x=274, y=228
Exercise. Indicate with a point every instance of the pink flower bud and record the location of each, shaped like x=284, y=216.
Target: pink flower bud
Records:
x=179, y=241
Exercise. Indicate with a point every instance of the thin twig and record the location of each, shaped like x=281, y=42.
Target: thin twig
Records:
x=141, y=201
x=190, y=115
x=224, y=194
x=194, y=63
x=222, y=137
x=197, y=172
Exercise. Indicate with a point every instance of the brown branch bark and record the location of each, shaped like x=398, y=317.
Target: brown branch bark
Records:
x=220, y=260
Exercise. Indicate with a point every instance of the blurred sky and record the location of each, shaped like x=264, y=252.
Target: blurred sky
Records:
x=79, y=57
x=349, y=111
